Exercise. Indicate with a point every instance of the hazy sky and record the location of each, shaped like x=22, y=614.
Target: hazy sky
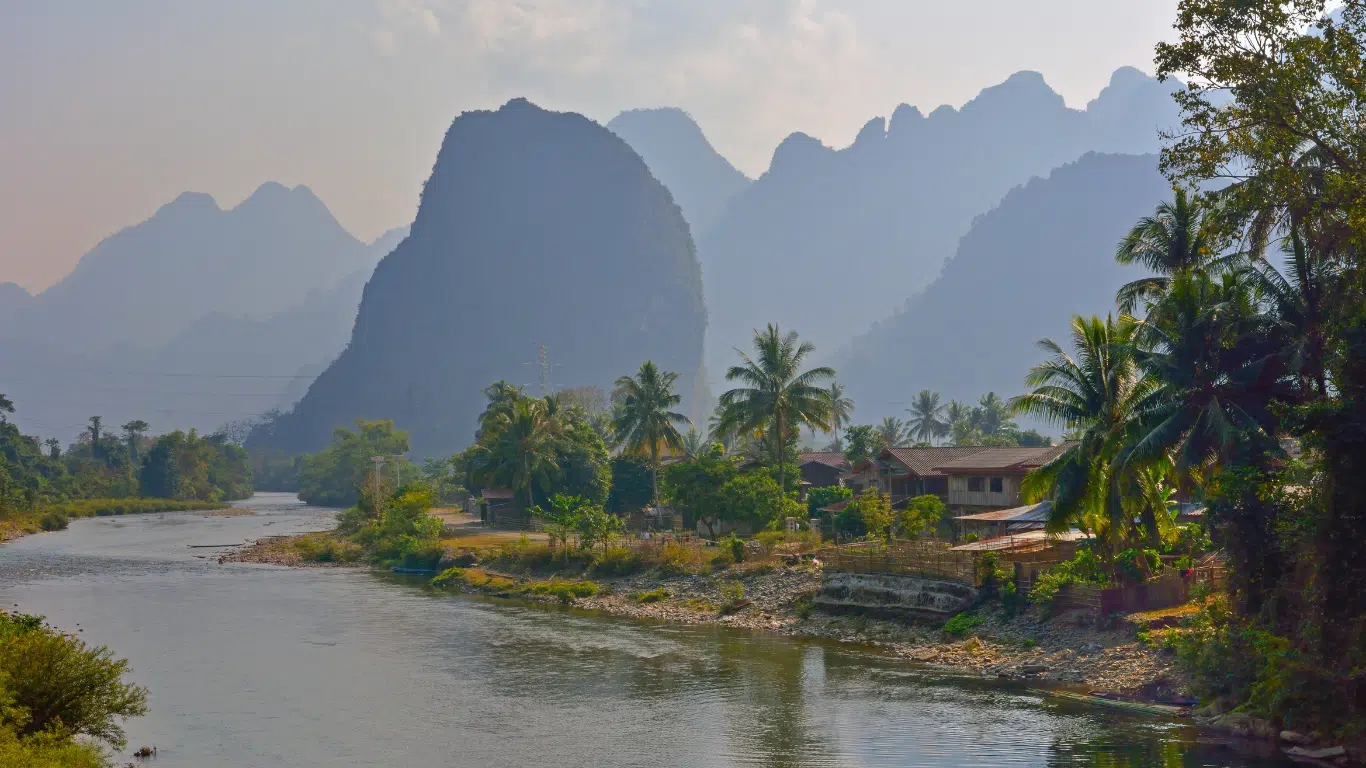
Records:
x=108, y=110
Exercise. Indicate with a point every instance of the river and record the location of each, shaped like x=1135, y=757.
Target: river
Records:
x=252, y=665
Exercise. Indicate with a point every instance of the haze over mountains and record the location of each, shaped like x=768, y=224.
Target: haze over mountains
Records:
x=830, y=241
x=535, y=228
x=200, y=315
x=1044, y=254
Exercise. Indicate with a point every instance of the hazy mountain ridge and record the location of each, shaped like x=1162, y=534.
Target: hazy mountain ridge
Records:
x=607, y=277
x=144, y=284
x=829, y=241
x=678, y=154
x=1044, y=254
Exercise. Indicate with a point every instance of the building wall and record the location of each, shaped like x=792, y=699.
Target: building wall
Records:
x=1009, y=496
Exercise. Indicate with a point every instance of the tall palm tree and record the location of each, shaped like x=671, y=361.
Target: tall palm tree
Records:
x=1299, y=300
x=1097, y=394
x=524, y=454
x=694, y=442
x=1172, y=241
x=893, y=432
x=927, y=416
x=502, y=396
x=646, y=422
x=777, y=394
x=841, y=409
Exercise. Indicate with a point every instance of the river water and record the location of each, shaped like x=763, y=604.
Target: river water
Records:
x=252, y=665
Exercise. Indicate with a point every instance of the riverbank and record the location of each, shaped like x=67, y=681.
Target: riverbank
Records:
x=56, y=517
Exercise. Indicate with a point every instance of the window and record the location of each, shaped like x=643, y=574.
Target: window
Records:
x=998, y=484
x=975, y=484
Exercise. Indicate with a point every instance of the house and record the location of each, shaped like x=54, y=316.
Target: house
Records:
x=904, y=473
x=822, y=468
x=990, y=478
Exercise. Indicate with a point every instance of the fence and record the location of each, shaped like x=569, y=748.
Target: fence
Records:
x=934, y=559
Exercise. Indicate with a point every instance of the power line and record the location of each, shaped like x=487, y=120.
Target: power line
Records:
x=173, y=374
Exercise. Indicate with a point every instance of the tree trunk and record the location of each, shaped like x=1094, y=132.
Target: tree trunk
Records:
x=654, y=472
x=781, y=437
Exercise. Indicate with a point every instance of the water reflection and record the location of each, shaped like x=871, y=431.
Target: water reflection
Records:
x=257, y=666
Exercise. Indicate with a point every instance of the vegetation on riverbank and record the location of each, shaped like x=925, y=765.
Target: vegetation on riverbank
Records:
x=62, y=703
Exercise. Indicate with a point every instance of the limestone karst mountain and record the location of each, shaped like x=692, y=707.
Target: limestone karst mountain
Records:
x=679, y=155
x=829, y=241
x=535, y=228
x=1044, y=254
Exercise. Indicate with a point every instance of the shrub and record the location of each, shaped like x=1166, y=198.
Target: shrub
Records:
x=803, y=606
x=736, y=548
x=618, y=561
x=53, y=521
x=732, y=595
x=1084, y=568
x=322, y=548
x=566, y=591
x=653, y=596
x=960, y=625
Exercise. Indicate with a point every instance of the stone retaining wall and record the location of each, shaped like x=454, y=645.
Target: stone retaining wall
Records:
x=883, y=594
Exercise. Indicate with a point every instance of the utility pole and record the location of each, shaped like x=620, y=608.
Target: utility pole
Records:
x=399, y=460
x=379, y=462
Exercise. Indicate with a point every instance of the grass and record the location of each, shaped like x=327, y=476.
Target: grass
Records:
x=652, y=596
x=55, y=517
x=484, y=581
x=962, y=624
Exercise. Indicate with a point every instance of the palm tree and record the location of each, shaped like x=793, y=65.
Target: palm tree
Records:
x=927, y=416
x=992, y=415
x=646, y=422
x=694, y=442
x=1299, y=300
x=777, y=395
x=501, y=396
x=841, y=410
x=1172, y=241
x=892, y=432
x=1098, y=395
x=524, y=454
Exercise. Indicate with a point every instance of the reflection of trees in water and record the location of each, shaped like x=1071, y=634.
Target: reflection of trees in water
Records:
x=1129, y=747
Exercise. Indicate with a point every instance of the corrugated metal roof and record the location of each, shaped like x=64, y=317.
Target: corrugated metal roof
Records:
x=1005, y=459
x=1026, y=540
x=829, y=458
x=1030, y=513
x=925, y=461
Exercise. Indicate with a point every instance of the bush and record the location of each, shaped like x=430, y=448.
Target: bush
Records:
x=53, y=684
x=732, y=595
x=653, y=596
x=618, y=561
x=803, y=606
x=736, y=547
x=53, y=521
x=1084, y=568
x=960, y=625
x=323, y=548
x=819, y=498
x=566, y=591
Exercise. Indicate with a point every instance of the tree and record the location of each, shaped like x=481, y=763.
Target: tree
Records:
x=921, y=515
x=58, y=684
x=694, y=442
x=132, y=431
x=96, y=450
x=1099, y=394
x=860, y=442
x=1175, y=240
x=6, y=408
x=632, y=484
x=54, y=448
x=757, y=497
x=841, y=410
x=777, y=395
x=927, y=416
x=502, y=397
x=334, y=476
x=822, y=497
x=874, y=509
x=892, y=432
x=697, y=487
x=523, y=455
x=646, y=422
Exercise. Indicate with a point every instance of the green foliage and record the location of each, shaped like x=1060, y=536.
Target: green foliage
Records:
x=1082, y=569
x=824, y=496
x=652, y=596
x=400, y=532
x=921, y=515
x=732, y=595
x=874, y=509
x=335, y=476
x=758, y=498
x=849, y=521
x=961, y=624
x=861, y=441
x=56, y=686
x=566, y=591
x=618, y=561
x=631, y=487
x=184, y=465
x=53, y=521
x=645, y=422
x=735, y=547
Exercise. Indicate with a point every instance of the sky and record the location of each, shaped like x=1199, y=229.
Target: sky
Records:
x=109, y=110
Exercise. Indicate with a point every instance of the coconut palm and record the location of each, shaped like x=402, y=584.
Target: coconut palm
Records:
x=1097, y=394
x=777, y=395
x=892, y=432
x=927, y=416
x=501, y=396
x=694, y=442
x=1172, y=241
x=645, y=422
x=1298, y=298
x=523, y=456
x=841, y=410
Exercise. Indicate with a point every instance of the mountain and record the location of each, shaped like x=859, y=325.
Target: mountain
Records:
x=679, y=155
x=140, y=287
x=535, y=228
x=14, y=299
x=220, y=368
x=1044, y=254
x=828, y=241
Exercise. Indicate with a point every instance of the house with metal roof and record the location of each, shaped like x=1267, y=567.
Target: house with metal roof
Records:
x=822, y=468
x=905, y=473
x=990, y=478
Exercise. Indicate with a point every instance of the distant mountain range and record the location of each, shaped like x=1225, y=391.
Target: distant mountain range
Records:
x=829, y=241
x=679, y=155
x=535, y=228
x=1044, y=254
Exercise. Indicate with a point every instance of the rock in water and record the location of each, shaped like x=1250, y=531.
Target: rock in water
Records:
x=535, y=228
